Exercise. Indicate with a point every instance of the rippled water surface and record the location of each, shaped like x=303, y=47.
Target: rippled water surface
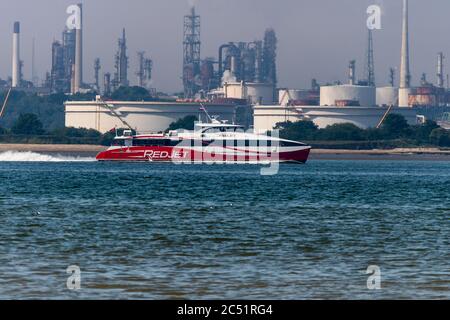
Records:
x=155, y=231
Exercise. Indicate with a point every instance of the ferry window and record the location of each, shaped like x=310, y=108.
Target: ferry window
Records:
x=240, y=143
x=289, y=144
x=251, y=143
x=174, y=143
x=149, y=142
x=118, y=143
x=211, y=130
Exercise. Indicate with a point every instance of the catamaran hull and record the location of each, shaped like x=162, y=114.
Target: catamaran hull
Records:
x=199, y=155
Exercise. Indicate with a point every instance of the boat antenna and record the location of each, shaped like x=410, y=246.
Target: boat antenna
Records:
x=203, y=108
x=115, y=114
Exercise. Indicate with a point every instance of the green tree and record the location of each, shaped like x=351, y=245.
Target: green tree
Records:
x=422, y=132
x=186, y=123
x=373, y=134
x=3, y=131
x=440, y=137
x=28, y=124
x=77, y=133
x=395, y=126
x=107, y=138
x=131, y=94
x=342, y=132
x=300, y=130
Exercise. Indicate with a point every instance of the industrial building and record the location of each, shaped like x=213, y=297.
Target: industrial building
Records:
x=67, y=61
x=121, y=65
x=348, y=95
x=143, y=116
x=267, y=117
x=362, y=103
x=243, y=73
x=252, y=93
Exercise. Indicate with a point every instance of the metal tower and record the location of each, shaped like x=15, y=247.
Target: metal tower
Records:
x=351, y=72
x=392, y=77
x=145, y=70
x=34, y=77
x=97, y=68
x=191, y=54
x=405, y=75
x=440, y=70
x=370, y=66
x=148, y=71
x=121, y=75
x=140, y=73
x=270, y=57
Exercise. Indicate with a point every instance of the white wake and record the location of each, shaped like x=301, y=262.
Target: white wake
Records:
x=16, y=156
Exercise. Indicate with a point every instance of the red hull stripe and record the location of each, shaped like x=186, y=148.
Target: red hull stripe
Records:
x=178, y=154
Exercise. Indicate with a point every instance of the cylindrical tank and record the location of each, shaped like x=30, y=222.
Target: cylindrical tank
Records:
x=286, y=95
x=255, y=93
x=366, y=96
x=403, y=97
x=387, y=96
x=259, y=93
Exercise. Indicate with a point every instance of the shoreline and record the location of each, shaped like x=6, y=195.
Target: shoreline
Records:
x=316, y=154
x=425, y=154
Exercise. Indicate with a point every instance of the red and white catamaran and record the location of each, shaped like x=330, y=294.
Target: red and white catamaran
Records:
x=213, y=142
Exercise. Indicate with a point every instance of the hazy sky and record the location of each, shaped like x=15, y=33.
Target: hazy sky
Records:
x=317, y=38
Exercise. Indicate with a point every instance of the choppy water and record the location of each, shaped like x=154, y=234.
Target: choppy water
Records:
x=167, y=231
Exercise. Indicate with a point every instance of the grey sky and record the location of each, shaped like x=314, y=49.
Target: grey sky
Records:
x=317, y=38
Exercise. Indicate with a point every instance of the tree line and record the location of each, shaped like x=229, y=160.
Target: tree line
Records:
x=395, y=129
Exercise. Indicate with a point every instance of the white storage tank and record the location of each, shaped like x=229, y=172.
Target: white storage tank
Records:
x=284, y=95
x=340, y=94
x=255, y=93
x=387, y=96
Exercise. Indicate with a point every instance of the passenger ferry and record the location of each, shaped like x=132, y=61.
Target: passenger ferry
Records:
x=215, y=142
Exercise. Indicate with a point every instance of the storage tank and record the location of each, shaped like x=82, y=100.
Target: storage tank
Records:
x=365, y=96
x=387, y=96
x=299, y=97
x=255, y=93
x=284, y=95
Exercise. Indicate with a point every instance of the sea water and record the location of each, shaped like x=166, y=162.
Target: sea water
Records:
x=165, y=231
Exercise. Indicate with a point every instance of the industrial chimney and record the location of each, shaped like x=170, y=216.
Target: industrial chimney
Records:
x=78, y=76
x=16, y=56
x=351, y=72
x=405, y=76
x=440, y=70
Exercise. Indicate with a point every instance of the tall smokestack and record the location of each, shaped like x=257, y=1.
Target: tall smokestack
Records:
x=78, y=77
x=405, y=75
x=440, y=70
x=16, y=56
x=351, y=72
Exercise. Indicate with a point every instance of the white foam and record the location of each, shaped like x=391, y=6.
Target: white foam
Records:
x=16, y=156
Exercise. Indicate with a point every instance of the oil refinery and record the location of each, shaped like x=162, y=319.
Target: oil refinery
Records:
x=243, y=76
